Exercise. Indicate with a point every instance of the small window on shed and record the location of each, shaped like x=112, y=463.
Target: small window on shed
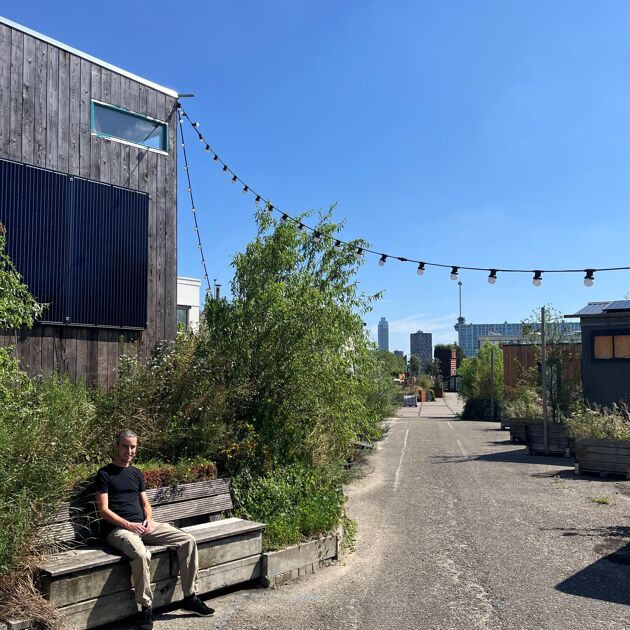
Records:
x=603, y=347
x=123, y=125
x=622, y=346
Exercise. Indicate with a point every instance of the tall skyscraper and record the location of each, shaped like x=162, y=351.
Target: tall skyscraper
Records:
x=422, y=346
x=383, y=334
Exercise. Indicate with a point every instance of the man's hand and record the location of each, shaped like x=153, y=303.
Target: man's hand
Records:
x=148, y=525
x=137, y=528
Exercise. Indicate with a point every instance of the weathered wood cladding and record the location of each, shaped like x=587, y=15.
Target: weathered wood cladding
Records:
x=605, y=381
x=519, y=358
x=45, y=97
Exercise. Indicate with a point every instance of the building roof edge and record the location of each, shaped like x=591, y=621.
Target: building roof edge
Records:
x=78, y=53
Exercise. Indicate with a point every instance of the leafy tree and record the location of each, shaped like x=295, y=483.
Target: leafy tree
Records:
x=476, y=374
x=17, y=306
x=392, y=363
x=414, y=365
x=562, y=350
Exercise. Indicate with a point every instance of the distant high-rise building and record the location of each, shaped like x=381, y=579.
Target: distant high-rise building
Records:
x=472, y=336
x=383, y=334
x=422, y=346
x=399, y=353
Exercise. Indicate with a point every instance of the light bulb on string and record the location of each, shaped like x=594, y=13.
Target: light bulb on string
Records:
x=537, y=280
x=195, y=125
x=207, y=148
x=284, y=217
x=257, y=200
x=359, y=253
x=382, y=260
x=245, y=189
x=215, y=157
x=420, y=270
x=337, y=245
x=589, y=278
x=301, y=227
x=454, y=272
x=225, y=168
x=317, y=236
x=270, y=209
x=234, y=179
x=492, y=278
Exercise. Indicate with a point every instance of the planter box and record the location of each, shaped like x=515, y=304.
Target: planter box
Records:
x=518, y=431
x=557, y=438
x=288, y=564
x=603, y=457
x=506, y=422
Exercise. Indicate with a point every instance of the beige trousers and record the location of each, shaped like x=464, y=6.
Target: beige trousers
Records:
x=133, y=546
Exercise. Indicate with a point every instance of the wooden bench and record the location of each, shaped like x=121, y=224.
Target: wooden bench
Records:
x=90, y=584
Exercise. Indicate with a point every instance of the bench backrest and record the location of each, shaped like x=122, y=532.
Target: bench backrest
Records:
x=77, y=519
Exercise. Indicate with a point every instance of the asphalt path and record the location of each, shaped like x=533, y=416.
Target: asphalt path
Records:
x=458, y=528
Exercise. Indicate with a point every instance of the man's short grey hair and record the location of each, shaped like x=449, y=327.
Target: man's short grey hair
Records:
x=126, y=433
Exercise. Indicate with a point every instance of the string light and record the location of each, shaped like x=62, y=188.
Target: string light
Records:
x=589, y=278
x=382, y=260
x=301, y=227
x=359, y=253
x=192, y=200
x=338, y=243
x=317, y=236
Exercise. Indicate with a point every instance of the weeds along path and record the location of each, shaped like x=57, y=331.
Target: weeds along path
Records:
x=458, y=528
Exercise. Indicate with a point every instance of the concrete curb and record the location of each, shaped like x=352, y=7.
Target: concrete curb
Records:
x=280, y=567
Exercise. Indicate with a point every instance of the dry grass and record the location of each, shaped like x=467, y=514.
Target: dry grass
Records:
x=19, y=599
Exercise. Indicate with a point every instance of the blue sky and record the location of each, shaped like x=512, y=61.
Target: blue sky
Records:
x=485, y=133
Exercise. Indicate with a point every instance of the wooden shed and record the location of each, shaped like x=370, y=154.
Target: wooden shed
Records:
x=605, y=351
x=88, y=195
x=519, y=358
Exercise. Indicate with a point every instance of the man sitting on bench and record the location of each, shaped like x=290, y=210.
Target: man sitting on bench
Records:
x=127, y=524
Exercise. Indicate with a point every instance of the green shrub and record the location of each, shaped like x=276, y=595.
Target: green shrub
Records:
x=476, y=409
x=523, y=401
x=612, y=423
x=45, y=426
x=295, y=502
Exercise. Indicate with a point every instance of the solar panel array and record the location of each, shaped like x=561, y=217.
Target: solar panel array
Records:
x=80, y=246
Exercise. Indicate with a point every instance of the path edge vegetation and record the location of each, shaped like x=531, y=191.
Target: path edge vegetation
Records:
x=273, y=390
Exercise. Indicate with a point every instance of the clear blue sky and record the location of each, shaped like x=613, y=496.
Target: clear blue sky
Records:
x=480, y=133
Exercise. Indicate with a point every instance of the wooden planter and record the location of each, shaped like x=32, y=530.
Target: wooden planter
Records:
x=518, y=431
x=558, y=440
x=506, y=422
x=602, y=456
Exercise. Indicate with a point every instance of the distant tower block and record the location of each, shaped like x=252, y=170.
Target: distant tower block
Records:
x=383, y=334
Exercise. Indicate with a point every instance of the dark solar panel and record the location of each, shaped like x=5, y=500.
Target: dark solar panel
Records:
x=33, y=208
x=109, y=255
x=80, y=246
x=619, y=305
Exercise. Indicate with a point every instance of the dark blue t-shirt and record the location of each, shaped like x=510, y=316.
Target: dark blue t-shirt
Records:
x=123, y=487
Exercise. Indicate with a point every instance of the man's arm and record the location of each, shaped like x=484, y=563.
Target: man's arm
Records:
x=102, y=503
x=148, y=513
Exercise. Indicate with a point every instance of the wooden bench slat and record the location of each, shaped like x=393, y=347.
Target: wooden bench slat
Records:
x=185, y=509
x=85, y=559
x=156, y=496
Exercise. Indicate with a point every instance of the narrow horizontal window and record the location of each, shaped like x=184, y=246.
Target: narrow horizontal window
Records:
x=113, y=122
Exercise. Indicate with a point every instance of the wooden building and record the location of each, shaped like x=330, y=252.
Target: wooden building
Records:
x=605, y=351
x=88, y=195
x=519, y=359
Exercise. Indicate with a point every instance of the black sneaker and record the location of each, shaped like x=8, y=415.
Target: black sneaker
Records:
x=194, y=605
x=145, y=618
